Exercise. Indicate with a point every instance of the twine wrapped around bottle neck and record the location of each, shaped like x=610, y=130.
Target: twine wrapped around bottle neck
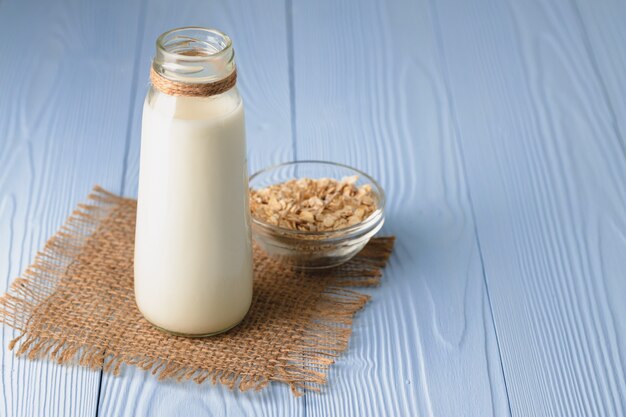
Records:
x=177, y=88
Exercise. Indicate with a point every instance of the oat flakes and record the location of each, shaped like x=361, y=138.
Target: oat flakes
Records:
x=308, y=204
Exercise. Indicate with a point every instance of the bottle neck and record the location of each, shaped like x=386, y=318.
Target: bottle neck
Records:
x=194, y=55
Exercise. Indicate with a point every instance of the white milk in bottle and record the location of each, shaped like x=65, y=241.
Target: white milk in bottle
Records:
x=193, y=256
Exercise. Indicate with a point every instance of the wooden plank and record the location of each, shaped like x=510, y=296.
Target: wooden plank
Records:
x=259, y=35
x=63, y=110
x=604, y=35
x=545, y=168
x=369, y=92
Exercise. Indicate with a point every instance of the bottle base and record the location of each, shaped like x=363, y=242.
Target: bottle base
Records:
x=194, y=335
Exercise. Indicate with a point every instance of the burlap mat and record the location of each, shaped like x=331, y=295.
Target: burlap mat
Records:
x=76, y=304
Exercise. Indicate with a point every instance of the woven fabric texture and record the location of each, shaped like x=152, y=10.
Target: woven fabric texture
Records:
x=75, y=304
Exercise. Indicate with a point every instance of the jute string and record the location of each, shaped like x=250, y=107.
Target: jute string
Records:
x=75, y=304
x=177, y=88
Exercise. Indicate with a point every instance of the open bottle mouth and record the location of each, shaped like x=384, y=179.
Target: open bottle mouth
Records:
x=194, y=55
x=194, y=41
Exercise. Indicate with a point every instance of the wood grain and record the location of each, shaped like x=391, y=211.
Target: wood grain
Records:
x=64, y=77
x=369, y=93
x=259, y=35
x=496, y=127
x=545, y=168
x=603, y=33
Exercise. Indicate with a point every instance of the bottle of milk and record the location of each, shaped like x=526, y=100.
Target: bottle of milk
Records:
x=193, y=254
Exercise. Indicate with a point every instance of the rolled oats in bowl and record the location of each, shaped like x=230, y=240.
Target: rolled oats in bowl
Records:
x=314, y=214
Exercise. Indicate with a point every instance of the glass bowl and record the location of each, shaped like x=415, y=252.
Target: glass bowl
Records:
x=320, y=249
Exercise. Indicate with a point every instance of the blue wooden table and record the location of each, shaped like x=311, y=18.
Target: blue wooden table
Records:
x=497, y=128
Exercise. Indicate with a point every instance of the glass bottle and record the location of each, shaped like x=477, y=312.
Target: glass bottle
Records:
x=193, y=253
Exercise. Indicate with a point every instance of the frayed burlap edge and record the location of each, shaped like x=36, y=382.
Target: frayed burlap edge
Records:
x=304, y=369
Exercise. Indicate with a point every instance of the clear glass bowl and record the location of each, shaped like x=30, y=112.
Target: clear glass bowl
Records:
x=315, y=250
